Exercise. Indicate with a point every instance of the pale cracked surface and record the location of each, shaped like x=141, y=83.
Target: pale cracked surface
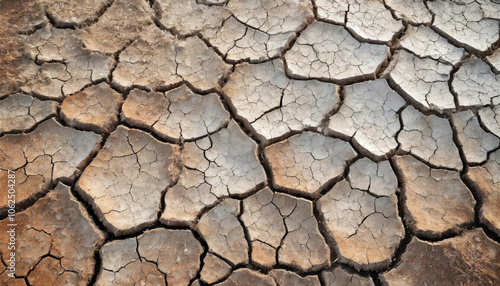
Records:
x=305, y=162
x=248, y=143
x=229, y=35
x=125, y=180
x=247, y=277
x=430, y=138
x=223, y=164
x=469, y=259
x=168, y=62
x=414, y=11
x=272, y=16
x=223, y=232
x=328, y=51
x=435, y=201
x=476, y=143
x=368, y=114
x=214, y=269
x=424, y=42
x=94, y=108
x=490, y=118
x=179, y=113
x=121, y=23
x=475, y=84
x=341, y=277
x=68, y=13
x=426, y=85
x=61, y=65
x=269, y=218
x=494, y=60
x=50, y=152
x=153, y=258
x=20, y=112
x=284, y=277
x=361, y=215
x=276, y=277
x=367, y=19
x=121, y=265
x=486, y=179
x=303, y=247
x=470, y=22
x=56, y=230
x=371, y=20
x=279, y=221
x=274, y=104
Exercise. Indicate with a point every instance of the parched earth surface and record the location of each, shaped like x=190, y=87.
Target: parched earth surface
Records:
x=266, y=142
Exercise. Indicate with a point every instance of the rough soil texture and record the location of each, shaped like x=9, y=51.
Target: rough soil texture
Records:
x=263, y=142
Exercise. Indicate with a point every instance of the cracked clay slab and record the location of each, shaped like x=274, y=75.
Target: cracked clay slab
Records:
x=47, y=252
x=475, y=84
x=342, y=277
x=223, y=232
x=73, y=13
x=469, y=259
x=126, y=179
x=272, y=221
x=20, y=112
x=486, y=180
x=156, y=257
x=94, y=108
x=122, y=22
x=272, y=17
x=50, y=152
x=430, y=138
x=414, y=11
x=167, y=62
x=476, y=143
x=464, y=22
x=490, y=118
x=424, y=42
x=214, y=269
x=305, y=162
x=179, y=113
x=435, y=201
x=426, y=85
x=235, y=40
x=368, y=114
x=361, y=215
x=369, y=20
x=62, y=66
x=245, y=276
x=275, y=105
x=327, y=51
x=223, y=164
x=494, y=60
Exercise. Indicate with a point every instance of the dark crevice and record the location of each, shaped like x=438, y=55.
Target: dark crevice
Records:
x=454, y=70
x=340, y=95
x=205, y=247
x=376, y=279
x=97, y=266
x=323, y=230
x=459, y=146
x=478, y=195
x=401, y=212
x=344, y=81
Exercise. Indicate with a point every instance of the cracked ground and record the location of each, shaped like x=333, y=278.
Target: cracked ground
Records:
x=263, y=142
